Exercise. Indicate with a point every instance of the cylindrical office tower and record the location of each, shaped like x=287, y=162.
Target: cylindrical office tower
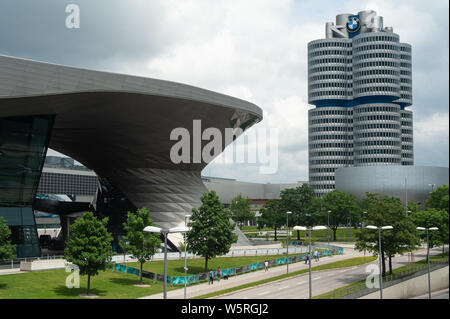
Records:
x=359, y=80
x=330, y=127
x=407, y=137
x=376, y=84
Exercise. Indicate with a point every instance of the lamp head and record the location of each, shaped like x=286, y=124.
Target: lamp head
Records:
x=181, y=229
x=152, y=229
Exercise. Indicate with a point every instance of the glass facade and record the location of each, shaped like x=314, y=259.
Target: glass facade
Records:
x=23, y=146
x=112, y=203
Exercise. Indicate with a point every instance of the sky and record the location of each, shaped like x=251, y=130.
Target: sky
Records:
x=255, y=50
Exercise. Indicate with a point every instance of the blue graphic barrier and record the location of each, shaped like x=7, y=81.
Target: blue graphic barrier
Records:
x=224, y=272
x=120, y=267
x=133, y=271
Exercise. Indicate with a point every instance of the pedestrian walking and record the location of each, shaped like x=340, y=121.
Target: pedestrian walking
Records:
x=211, y=277
x=266, y=265
x=315, y=255
x=218, y=274
x=318, y=256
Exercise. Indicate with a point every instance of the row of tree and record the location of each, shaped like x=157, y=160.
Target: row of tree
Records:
x=211, y=234
x=336, y=208
x=89, y=246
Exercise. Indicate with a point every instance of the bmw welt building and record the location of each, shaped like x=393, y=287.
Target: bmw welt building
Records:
x=359, y=81
x=116, y=125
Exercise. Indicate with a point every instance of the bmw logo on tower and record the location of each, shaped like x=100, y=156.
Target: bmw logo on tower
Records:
x=353, y=24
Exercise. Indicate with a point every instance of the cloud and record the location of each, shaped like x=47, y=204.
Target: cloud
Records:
x=254, y=49
x=432, y=134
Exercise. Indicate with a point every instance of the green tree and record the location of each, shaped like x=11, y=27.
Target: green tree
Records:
x=298, y=201
x=211, y=231
x=240, y=209
x=7, y=250
x=142, y=245
x=343, y=207
x=271, y=216
x=433, y=218
x=89, y=246
x=438, y=199
x=384, y=211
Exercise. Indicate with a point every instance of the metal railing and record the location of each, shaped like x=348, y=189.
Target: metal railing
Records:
x=360, y=289
x=234, y=253
x=195, y=278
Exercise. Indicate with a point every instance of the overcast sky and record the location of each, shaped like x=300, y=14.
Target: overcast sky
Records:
x=255, y=50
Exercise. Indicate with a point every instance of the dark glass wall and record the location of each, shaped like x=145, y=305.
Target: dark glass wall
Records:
x=112, y=203
x=23, y=146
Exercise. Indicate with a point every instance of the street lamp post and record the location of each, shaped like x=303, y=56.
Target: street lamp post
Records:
x=165, y=232
x=186, y=217
x=428, y=256
x=287, y=241
x=362, y=227
x=328, y=229
x=410, y=254
x=309, y=253
x=350, y=216
x=379, y=253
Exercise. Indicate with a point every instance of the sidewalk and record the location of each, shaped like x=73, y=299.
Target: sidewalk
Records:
x=11, y=271
x=440, y=294
x=234, y=281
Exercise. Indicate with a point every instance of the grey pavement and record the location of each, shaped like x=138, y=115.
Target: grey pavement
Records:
x=10, y=271
x=322, y=281
x=440, y=294
x=204, y=288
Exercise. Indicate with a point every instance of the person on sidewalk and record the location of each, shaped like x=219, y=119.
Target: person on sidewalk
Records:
x=315, y=255
x=211, y=277
x=318, y=256
x=219, y=273
x=266, y=265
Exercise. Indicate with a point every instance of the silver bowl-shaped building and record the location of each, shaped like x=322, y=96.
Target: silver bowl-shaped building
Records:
x=117, y=125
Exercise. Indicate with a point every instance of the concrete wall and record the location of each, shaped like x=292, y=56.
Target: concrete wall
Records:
x=42, y=264
x=414, y=287
x=227, y=189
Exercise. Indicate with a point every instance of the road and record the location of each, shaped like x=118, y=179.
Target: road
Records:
x=322, y=281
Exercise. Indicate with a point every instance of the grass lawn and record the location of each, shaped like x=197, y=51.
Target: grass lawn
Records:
x=342, y=234
x=338, y=264
x=51, y=284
